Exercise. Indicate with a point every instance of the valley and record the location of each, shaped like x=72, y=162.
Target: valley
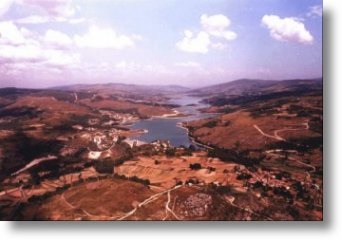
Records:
x=243, y=150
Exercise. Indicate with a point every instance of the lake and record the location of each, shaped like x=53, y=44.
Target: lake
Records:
x=168, y=128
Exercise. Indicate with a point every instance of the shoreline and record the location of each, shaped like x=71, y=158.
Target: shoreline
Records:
x=181, y=125
x=168, y=115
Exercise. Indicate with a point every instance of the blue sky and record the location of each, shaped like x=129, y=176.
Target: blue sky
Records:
x=193, y=43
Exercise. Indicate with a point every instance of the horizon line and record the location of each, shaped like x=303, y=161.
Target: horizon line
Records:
x=162, y=85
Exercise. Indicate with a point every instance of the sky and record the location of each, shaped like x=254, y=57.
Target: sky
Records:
x=193, y=43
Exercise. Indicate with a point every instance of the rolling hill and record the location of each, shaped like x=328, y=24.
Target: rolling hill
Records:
x=255, y=86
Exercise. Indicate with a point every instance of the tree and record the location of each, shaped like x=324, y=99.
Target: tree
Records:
x=170, y=152
x=237, y=145
x=195, y=166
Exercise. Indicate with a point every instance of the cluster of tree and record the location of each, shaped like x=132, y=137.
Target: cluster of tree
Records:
x=220, y=188
x=282, y=191
x=145, y=182
x=210, y=124
x=29, y=112
x=19, y=149
x=47, y=166
x=257, y=112
x=187, y=152
x=235, y=155
x=170, y=152
x=316, y=125
x=192, y=181
x=195, y=166
x=303, y=193
x=211, y=169
x=243, y=176
x=122, y=151
x=282, y=175
x=299, y=144
x=145, y=150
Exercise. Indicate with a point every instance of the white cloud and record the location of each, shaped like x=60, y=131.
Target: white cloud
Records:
x=76, y=20
x=194, y=43
x=287, y=29
x=216, y=25
x=189, y=64
x=52, y=7
x=34, y=19
x=23, y=53
x=139, y=69
x=57, y=39
x=98, y=37
x=21, y=47
x=128, y=66
x=121, y=65
x=32, y=54
x=315, y=11
x=38, y=19
x=57, y=58
x=11, y=34
x=219, y=46
x=63, y=8
x=5, y=6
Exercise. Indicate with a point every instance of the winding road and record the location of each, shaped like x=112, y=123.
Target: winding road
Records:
x=153, y=198
x=76, y=97
x=133, y=211
x=276, y=132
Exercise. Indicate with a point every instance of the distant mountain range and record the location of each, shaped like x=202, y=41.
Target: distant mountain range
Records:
x=121, y=87
x=232, y=87
x=237, y=87
x=255, y=86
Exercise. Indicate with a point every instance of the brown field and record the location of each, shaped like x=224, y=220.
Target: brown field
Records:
x=244, y=129
x=64, y=156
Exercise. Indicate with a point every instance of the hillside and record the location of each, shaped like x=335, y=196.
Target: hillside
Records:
x=120, y=88
x=254, y=86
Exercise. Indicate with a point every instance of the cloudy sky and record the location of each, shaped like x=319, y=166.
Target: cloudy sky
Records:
x=188, y=42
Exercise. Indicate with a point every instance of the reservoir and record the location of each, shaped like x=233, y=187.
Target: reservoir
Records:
x=168, y=128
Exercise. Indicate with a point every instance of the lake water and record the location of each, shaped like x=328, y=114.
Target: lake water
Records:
x=168, y=128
